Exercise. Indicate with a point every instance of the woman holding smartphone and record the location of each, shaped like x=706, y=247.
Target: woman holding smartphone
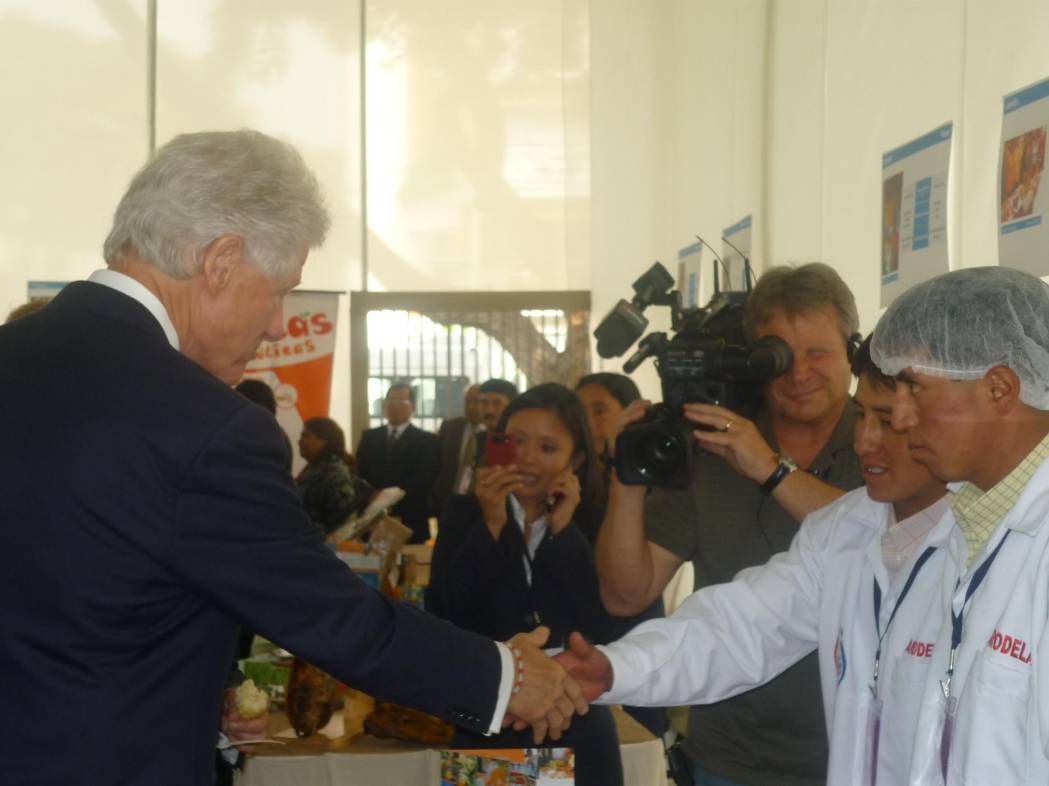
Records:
x=524, y=561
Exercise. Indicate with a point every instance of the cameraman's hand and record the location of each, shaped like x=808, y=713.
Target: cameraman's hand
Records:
x=735, y=439
x=494, y=484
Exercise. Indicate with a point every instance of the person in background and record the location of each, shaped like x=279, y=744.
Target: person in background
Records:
x=457, y=439
x=25, y=310
x=330, y=492
x=459, y=507
x=877, y=546
x=524, y=560
x=754, y=479
x=399, y=454
x=496, y=395
x=262, y=394
x=605, y=397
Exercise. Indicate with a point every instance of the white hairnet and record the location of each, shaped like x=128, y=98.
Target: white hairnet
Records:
x=962, y=323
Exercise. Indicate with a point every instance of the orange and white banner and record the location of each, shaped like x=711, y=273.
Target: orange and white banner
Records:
x=299, y=367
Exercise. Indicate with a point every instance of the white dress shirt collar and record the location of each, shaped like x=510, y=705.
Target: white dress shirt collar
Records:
x=535, y=540
x=901, y=540
x=136, y=291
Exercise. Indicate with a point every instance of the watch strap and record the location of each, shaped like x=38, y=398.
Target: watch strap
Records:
x=784, y=468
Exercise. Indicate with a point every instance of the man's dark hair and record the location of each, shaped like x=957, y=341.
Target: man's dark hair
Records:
x=619, y=386
x=501, y=386
x=258, y=391
x=862, y=364
x=402, y=386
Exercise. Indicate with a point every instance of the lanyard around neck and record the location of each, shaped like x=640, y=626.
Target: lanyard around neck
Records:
x=958, y=618
x=918, y=565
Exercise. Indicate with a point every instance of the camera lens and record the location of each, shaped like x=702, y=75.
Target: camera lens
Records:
x=658, y=455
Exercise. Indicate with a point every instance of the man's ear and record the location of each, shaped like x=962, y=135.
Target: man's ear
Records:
x=1003, y=388
x=221, y=259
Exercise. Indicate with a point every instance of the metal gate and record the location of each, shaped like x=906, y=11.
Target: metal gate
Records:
x=440, y=343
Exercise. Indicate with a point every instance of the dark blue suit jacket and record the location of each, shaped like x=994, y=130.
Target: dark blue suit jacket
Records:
x=146, y=513
x=411, y=464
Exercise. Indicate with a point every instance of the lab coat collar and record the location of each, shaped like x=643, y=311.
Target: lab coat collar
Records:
x=1029, y=513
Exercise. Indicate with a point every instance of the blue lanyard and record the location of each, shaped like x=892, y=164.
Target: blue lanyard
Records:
x=899, y=602
x=958, y=619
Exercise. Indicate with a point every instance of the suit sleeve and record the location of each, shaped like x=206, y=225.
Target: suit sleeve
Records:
x=241, y=539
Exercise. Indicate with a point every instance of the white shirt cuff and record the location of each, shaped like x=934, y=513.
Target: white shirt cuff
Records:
x=506, y=684
x=621, y=672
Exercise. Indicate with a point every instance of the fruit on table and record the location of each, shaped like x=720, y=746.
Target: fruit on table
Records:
x=252, y=702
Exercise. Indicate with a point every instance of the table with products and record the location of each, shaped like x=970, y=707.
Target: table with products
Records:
x=332, y=758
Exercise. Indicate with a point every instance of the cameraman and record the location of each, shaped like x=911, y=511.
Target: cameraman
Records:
x=753, y=483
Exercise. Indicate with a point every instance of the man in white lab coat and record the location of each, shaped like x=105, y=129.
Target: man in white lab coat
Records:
x=960, y=694
x=728, y=638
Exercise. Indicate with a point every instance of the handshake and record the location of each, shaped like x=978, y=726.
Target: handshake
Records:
x=547, y=691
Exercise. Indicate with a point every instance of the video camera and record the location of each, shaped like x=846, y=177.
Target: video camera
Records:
x=708, y=360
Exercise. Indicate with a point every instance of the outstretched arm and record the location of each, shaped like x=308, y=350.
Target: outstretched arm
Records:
x=632, y=570
x=587, y=665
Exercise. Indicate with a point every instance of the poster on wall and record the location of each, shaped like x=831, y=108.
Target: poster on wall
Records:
x=689, y=273
x=1023, y=242
x=298, y=367
x=914, y=212
x=735, y=247
x=43, y=290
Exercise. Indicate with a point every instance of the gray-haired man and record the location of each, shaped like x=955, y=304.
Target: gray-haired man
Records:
x=149, y=511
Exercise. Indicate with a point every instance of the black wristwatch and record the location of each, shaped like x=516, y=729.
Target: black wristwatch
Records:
x=786, y=466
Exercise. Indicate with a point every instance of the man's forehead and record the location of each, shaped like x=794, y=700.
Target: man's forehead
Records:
x=792, y=315
x=873, y=396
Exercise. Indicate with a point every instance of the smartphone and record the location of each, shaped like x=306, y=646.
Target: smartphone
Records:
x=499, y=449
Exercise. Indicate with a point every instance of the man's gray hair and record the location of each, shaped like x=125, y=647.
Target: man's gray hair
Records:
x=798, y=290
x=200, y=186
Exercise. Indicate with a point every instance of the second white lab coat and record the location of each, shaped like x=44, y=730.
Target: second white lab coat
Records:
x=728, y=638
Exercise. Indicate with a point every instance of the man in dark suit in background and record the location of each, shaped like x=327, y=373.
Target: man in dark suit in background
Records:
x=496, y=395
x=399, y=454
x=457, y=441
x=148, y=511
